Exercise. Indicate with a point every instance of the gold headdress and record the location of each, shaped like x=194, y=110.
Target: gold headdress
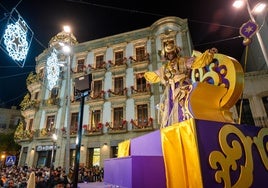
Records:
x=169, y=46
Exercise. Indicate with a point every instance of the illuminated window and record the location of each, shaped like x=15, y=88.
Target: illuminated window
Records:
x=93, y=157
x=96, y=157
x=50, y=122
x=95, y=118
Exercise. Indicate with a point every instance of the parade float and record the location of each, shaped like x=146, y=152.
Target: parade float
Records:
x=209, y=149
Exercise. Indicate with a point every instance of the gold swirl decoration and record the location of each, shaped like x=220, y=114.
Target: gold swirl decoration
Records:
x=217, y=87
x=234, y=151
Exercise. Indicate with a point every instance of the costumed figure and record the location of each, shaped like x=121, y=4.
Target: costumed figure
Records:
x=174, y=75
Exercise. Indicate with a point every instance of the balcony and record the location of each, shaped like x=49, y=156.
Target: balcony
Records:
x=99, y=66
x=144, y=126
x=141, y=89
x=73, y=131
x=141, y=63
x=45, y=133
x=116, y=127
x=97, y=95
x=22, y=134
x=51, y=102
x=33, y=81
x=120, y=94
x=93, y=130
x=28, y=104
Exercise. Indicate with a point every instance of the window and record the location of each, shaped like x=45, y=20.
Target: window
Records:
x=50, y=122
x=99, y=61
x=54, y=93
x=97, y=87
x=119, y=58
x=36, y=95
x=93, y=157
x=74, y=121
x=118, y=117
x=3, y=125
x=265, y=103
x=96, y=157
x=118, y=85
x=142, y=113
x=72, y=157
x=80, y=65
x=140, y=53
x=30, y=124
x=140, y=82
x=41, y=74
x=23, y=156
x=95, y=118
x=114, y=151
x=43, y=159
x=246, y=115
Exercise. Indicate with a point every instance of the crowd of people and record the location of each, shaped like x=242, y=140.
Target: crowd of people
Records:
x=26, y=177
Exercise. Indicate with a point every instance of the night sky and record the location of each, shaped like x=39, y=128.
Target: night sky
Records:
x=211, y=23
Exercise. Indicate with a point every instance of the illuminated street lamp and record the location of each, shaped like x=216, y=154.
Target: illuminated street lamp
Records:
x=54, y=140
x=67, y=50
x=257, y=9
x=3, y=156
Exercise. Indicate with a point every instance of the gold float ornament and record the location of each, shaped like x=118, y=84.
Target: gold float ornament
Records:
x=216, y=88
x=240, y=148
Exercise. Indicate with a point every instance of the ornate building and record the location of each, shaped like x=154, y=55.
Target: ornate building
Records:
x=9, y=119
x=121, y=104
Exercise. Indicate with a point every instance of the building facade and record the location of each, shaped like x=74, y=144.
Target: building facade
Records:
x=9, y=119
x=120, y=105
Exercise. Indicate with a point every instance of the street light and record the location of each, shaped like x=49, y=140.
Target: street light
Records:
x=257, y=9
x=54, y=140
x=67, y=50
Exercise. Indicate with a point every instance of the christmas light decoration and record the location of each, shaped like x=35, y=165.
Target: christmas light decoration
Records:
x=17, y=38
x=52, y=70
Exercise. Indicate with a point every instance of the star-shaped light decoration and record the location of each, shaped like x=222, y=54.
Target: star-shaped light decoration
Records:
x=247, y=30
x=17, y=37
